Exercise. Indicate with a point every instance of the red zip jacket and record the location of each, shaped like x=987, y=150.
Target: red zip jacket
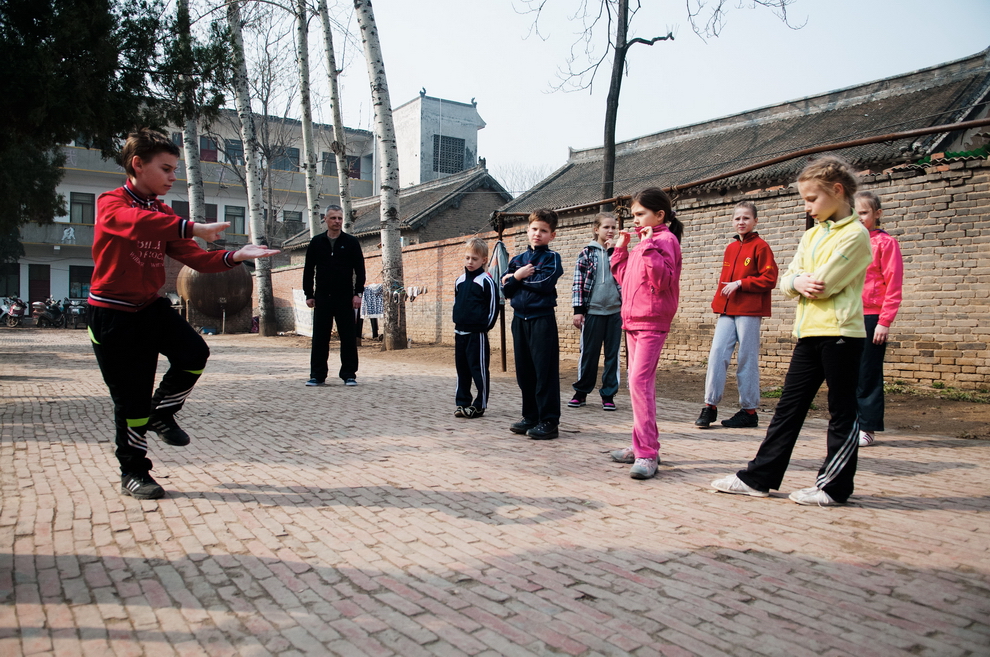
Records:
x=884, y=276
x=133, y=235
x=749, y=260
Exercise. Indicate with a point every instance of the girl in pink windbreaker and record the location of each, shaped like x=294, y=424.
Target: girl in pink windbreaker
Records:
x=649, y=275
x=881, y=300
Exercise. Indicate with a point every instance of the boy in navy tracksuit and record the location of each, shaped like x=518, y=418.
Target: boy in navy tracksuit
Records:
x=475, y=310
x=531, y=284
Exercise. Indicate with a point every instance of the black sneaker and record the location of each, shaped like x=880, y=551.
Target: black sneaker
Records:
x=708, y=415
x=141, y=486
x=473, y=411
x=742, y=420
x=579, y=400
x=166, y=428
x=316, y=382
x=543, y=431
x=522, y=426
x=459, y=412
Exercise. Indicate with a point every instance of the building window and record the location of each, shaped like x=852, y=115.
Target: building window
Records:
x=234, y=214
x=448, y=154
x=353, y=166
x=207, y=149
x=82, y=208
x=177, y=140
x=292, y=215
x=211, y=213
x=329, y=164
x=10, y=279
x=286, y=160
x=235, y=151
x=79, y=278
x=180, y=208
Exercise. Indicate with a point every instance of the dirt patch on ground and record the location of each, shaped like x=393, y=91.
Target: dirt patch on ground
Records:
x=920, y=413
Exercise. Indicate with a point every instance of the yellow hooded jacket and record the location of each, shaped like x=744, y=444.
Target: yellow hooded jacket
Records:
x=838, y=253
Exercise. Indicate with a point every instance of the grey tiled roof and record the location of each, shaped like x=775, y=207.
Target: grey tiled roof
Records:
x=937, y=95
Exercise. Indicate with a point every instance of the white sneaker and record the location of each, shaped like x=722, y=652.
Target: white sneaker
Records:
x=735, y=485
x=813, y=496
x=644, y=469
x=866, y=438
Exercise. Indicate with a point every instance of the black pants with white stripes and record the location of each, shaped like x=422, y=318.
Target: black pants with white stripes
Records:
x=472, y=358
x=127, y=347
x=834, y=360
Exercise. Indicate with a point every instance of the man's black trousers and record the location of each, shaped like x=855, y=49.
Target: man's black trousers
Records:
x=127, y=347
x=537, y=352
x=326, y=312
x=834, y=360
x=472, y=358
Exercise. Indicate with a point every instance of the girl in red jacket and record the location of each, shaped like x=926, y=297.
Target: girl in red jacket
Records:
x=129, y=324
x=649, y=276
x=742, y=300
x=881, y=300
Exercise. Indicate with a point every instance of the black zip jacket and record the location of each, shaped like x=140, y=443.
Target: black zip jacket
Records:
x=535, y=296
x=339, y=271
x=475, y=302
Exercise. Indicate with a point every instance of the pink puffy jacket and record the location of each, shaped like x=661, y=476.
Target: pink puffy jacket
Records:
x=650, y=276
x=884, y=276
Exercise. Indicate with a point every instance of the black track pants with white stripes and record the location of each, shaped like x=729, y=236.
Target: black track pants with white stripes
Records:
x=127, y=347
x=834, y=360
x=472, y=357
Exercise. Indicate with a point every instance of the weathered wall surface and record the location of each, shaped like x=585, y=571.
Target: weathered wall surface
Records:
x=940, y=218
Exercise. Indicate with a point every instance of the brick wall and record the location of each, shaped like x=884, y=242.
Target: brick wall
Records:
x=941, y=219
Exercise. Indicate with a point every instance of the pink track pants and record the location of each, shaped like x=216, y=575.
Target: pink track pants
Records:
x=644, y=355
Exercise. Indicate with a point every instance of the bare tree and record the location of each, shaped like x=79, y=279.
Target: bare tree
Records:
x=309, y=146
x=706, y=18
x=517, y=177
x=395, y=325
x=339, y=145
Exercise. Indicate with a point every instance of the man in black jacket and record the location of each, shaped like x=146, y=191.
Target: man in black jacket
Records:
x=338, y=263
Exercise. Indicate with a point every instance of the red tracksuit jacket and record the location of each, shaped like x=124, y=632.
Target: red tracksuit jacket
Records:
x=749, y=260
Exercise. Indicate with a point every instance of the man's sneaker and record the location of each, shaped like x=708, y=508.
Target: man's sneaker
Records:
x=316, y=382
x=578, y=400
x=141, y=486
x=813, y=497
x=733, y=484
x=543, y=431
x=166, y=428
x=742, y=420
x=624, y=455
x=459, y=412
x=866, y=438
x=350, y=382
x=644, y=468
x=522, y=426
x=708, y=415
x=473, y=411
x=608, y=404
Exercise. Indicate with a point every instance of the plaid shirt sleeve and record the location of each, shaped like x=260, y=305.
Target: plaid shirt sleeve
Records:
x=584, y=280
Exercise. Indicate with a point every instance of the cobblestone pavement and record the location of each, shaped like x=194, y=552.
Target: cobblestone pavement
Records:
x=370, y=521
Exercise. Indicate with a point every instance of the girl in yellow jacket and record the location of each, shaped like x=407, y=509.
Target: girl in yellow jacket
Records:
x=826, y=276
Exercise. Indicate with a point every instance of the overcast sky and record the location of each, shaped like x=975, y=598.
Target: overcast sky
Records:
x=464, y=49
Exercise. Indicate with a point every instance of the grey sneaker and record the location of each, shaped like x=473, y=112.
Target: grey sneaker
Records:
x=644, y=469
x=624, y=455
x=813, y=496
x=733, y=484
x=316, y=382
x=350, y=382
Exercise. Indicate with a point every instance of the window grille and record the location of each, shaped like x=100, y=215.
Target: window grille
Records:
x=448, y=154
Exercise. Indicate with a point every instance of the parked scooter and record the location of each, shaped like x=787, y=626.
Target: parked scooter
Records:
x=13, y=311
x=76, y=311
x=48, y=313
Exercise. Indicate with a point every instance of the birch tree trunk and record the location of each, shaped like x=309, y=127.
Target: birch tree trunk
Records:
x=309, y=148
x=190, y=131
x=262, y=272
x=395, y=324
x=339, y=145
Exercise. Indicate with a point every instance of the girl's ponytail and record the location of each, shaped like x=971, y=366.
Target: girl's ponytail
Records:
x=675, y=226
x=655, y=199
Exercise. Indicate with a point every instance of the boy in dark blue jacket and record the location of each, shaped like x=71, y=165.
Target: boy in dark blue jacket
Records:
x=531, y=284
x=475, y=310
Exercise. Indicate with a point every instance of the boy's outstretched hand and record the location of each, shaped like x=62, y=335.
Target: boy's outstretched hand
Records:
x=210, y=232
x=252, y=252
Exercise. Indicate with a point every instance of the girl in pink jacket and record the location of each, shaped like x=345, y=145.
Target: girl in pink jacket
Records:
x=649, y=276
x=881, y=300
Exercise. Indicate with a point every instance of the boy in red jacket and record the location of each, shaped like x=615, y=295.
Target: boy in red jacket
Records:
x=742, y=300
x=129, y=324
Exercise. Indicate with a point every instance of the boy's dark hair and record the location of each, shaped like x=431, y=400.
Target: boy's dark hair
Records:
x=145, y=144
x=546, y=215
x=656, y=200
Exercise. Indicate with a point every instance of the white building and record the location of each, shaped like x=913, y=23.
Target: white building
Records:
x=435, y=138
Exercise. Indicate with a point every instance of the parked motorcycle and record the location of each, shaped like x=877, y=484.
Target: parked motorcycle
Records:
x=48, y=313
x=13, y=311
x=76, y=311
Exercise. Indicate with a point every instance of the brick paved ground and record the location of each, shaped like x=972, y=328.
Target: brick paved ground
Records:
x=369, y=521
